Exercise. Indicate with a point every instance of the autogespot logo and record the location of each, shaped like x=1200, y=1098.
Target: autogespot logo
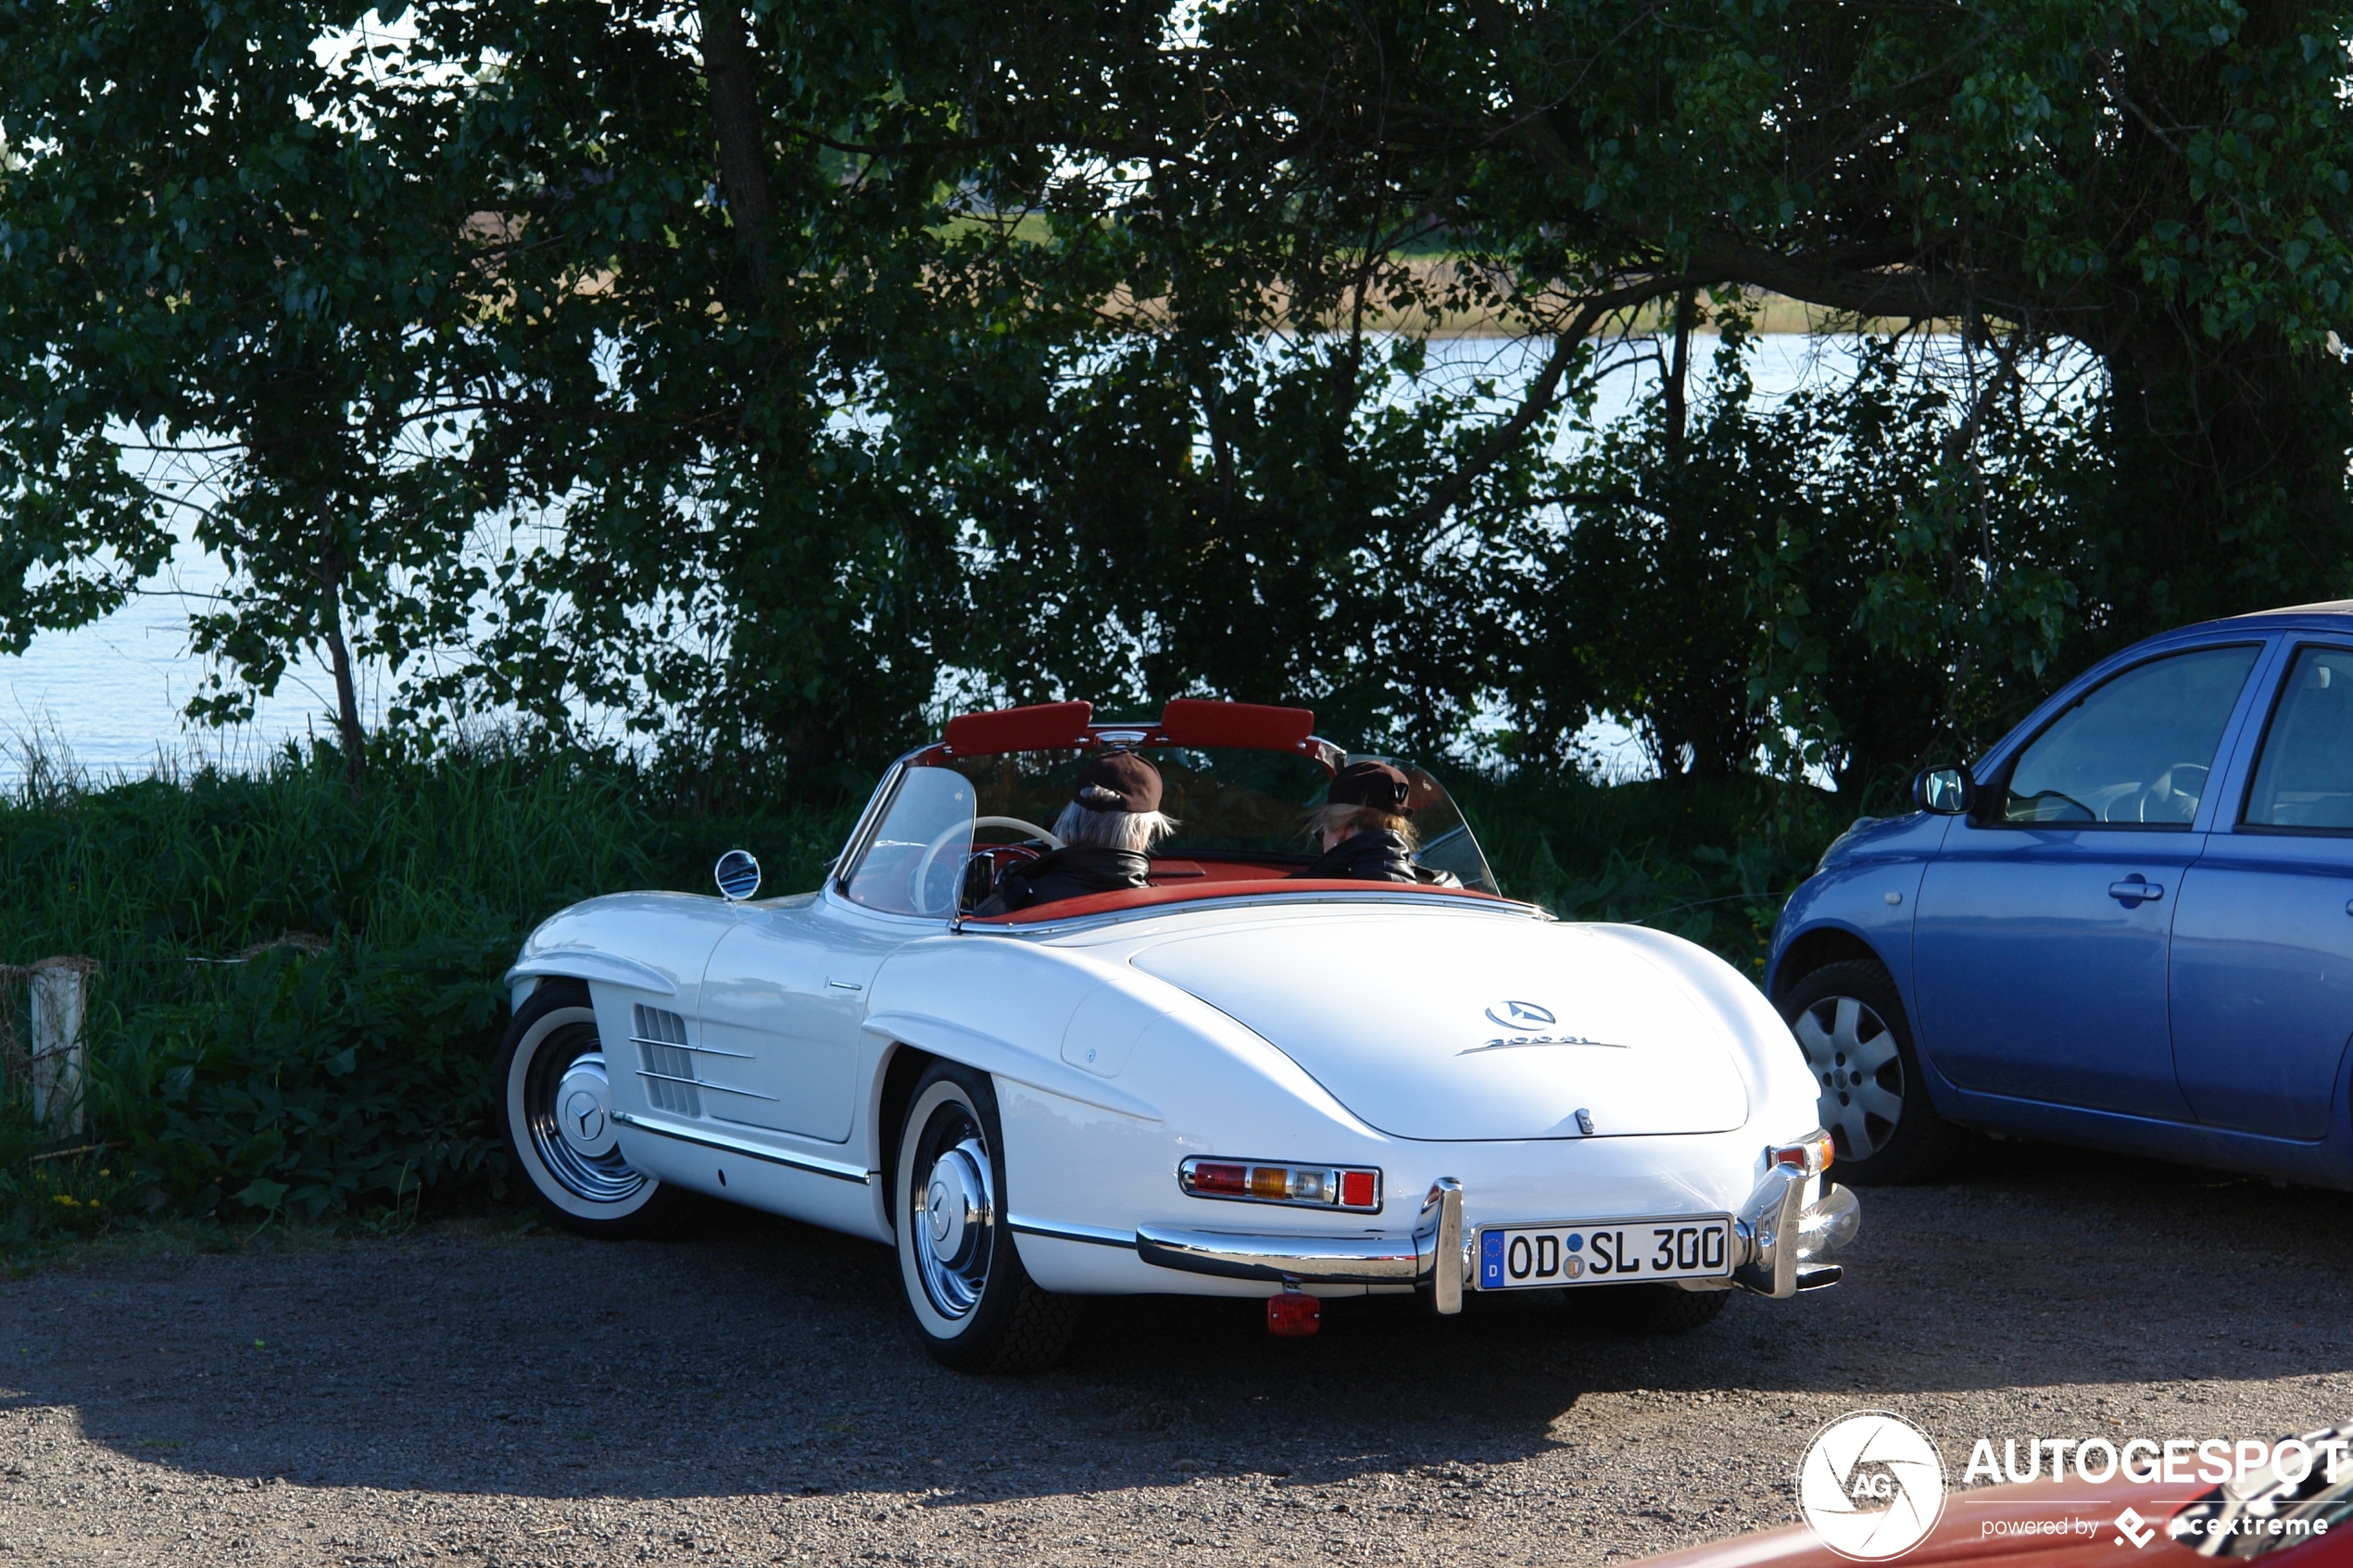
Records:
x=1519, y=1015
x=1871, y=1486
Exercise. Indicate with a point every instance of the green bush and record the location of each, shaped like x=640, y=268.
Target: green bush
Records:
x=298, y=1001
x=299, y=997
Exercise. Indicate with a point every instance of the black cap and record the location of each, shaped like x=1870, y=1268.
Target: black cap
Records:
x=1118, y=781
x=1375, y=785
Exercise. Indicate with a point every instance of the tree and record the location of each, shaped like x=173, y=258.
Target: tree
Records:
x=236, y=267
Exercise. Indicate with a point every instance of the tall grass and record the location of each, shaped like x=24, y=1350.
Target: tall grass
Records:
x=300, y=1003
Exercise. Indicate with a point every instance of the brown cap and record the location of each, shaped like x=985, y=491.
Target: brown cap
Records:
x=1375, y=785
x=1118, y=781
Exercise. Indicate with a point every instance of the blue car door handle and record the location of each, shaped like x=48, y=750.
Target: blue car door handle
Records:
x=2132, y=890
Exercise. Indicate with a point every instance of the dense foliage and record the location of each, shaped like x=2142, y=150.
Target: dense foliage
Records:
x=759, y=372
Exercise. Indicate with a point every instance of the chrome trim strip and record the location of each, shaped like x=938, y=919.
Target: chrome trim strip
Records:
x=1093, y=1234
x=682, y=1046
x=1309, y=1260
x=702, y=1084
x=839, y=1170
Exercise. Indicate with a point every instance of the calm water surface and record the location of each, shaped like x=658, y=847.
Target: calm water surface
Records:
x=107, y=697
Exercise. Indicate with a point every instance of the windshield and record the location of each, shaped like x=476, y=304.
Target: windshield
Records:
x=1230, y=804
x=914, y=863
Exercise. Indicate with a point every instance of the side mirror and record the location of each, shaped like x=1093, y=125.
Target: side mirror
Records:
x=1944, y=792
x=737, y=876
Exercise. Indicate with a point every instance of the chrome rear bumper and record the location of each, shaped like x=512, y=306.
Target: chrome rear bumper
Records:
x=1770, y=1255
x=1326, y=1260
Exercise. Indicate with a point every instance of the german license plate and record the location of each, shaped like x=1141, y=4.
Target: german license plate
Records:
x=1525, y=1257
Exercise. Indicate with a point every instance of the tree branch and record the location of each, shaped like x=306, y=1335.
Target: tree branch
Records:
x=1542, y=395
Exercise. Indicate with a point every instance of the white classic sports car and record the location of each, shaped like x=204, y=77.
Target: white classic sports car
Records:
x=1232, y=1082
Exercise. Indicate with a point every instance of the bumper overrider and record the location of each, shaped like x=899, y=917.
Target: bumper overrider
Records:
x=1781, y=1246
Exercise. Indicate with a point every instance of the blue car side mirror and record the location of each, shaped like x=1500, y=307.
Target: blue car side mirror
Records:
x=1944, y=792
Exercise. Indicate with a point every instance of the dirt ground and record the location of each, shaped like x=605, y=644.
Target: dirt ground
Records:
x=745, y=1395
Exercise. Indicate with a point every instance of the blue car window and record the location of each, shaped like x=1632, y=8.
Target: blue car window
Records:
x=2305, y=779
x=2134, y=750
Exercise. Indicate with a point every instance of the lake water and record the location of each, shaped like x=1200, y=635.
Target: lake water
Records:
x=106, y=699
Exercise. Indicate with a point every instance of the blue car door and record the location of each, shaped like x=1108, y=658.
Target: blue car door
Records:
x=2040, y=945
x=2263, y=940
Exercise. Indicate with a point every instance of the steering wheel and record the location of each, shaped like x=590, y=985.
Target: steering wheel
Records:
x=2166, y=789
x=932, y=851
x=1032, y=829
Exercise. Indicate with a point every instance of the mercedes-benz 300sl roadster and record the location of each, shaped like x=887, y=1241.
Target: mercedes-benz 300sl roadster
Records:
x=1234, y=1080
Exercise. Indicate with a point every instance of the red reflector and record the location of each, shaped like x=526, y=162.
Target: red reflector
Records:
x=1294, y=1314
x=1356, y=1189
x=1233, y=1179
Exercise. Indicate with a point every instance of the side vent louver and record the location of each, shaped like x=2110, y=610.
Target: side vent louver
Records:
x=667, y=1066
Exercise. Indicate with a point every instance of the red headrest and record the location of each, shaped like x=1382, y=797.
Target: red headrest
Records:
x=1189, y=721
x=1039, y=727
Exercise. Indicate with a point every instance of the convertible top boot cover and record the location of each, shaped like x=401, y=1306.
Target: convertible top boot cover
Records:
x=1473, y=1029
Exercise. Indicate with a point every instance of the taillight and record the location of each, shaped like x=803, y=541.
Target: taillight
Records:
x=1259, y=1181
x=1811, y=1154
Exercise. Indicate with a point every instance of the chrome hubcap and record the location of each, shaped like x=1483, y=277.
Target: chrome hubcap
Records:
x=570, y=1115
x=1860, y=1072
x=584, y=1094
x=954, y=1217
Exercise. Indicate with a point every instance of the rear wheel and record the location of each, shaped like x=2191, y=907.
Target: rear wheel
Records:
x=556, y=1112
x=970, y=1302
x=1649, y=1308
x=1849, y=1020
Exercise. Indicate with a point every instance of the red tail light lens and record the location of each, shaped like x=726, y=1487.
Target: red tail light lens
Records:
x=1213, y=1180
x=1265, y=1181
x=1811, y=1154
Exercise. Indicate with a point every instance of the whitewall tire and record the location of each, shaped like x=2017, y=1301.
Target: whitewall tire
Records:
x=968, y=1301
x=555, y=1112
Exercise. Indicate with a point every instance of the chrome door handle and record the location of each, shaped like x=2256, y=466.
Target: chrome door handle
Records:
x=2134, y=890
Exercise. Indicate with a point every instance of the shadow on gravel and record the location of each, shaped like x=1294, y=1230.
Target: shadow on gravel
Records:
x=761, y=1356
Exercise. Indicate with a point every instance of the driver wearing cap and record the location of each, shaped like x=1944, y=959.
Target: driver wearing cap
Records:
x=1113, y=819
x=1363, y=826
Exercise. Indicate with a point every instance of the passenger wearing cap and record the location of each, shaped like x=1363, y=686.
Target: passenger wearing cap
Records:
x=1363, y=827
x=1113, y=819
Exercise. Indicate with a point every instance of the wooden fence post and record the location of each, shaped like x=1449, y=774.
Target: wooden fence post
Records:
x=58, y=994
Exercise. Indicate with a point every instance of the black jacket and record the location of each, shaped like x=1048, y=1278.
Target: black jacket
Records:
x=1376, y=855
x=1064, y=873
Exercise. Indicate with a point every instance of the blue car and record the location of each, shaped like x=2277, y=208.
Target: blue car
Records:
x=2129, y=926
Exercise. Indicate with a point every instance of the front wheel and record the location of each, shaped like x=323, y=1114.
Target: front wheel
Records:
x=555, y=1108
x=1849, y=1020
x=973, y=1305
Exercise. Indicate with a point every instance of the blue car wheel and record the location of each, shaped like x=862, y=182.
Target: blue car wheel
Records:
x=1849, y=1020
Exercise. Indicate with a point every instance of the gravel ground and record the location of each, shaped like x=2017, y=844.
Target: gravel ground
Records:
x=745, y=1395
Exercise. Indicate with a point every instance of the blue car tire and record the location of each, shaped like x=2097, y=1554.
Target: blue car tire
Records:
x=1849, y=1020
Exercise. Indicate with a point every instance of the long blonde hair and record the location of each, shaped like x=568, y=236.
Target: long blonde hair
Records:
x=1348, y=821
